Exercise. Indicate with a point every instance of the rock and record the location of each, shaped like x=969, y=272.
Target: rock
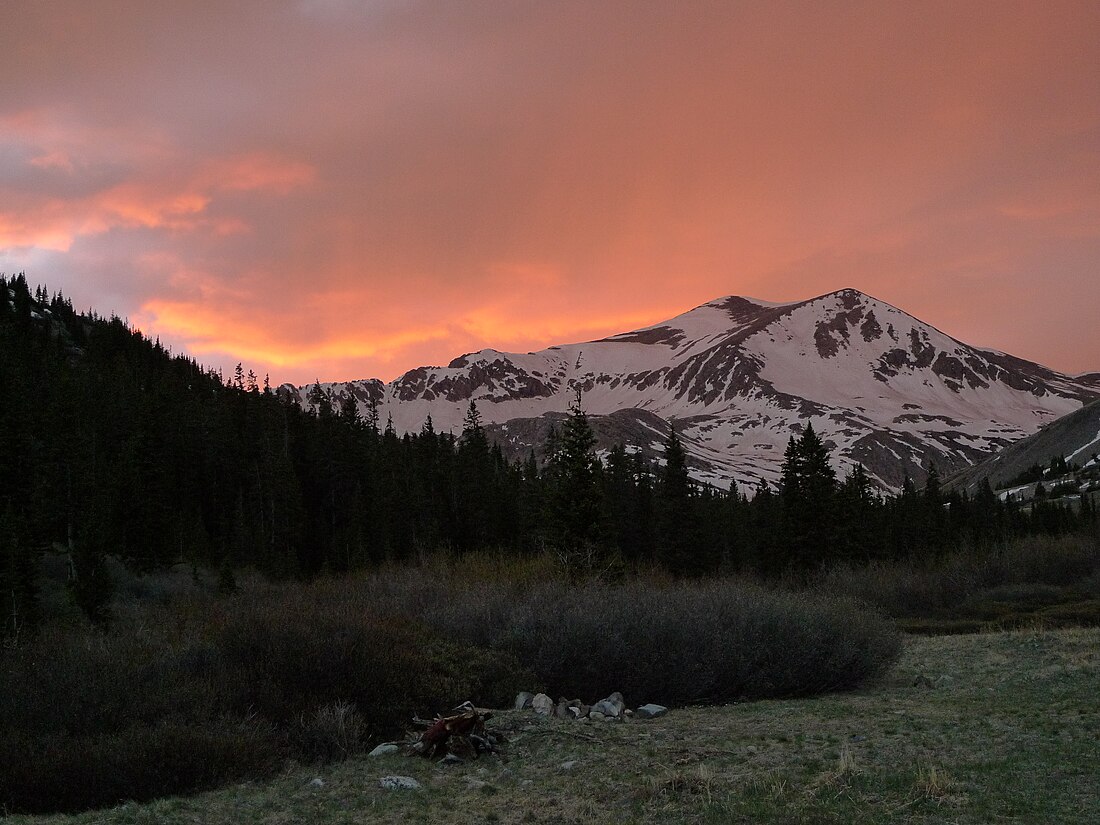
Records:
x=523, y=700
x=399, y=783
x=650, y=711
x=923, y=680
x=385, y=749
x=943, y=681
x=563, y=711
x=568, y=766
x=596, y=716
x=543, y=704
x=317, y=782
x=451, y=759
x=613, y=705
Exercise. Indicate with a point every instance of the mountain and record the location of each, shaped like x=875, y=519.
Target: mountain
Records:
x=1074, y=437
x=739, y=376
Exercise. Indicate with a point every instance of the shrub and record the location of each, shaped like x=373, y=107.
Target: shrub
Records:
x=195, y=694
x=671, y=643
x=1033, y=572
x=686, y=644
x=330, y=733
x=55, y=772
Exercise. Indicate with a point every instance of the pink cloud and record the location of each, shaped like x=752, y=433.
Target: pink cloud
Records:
x=362, y=188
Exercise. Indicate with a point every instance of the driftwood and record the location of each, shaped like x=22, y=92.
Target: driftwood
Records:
x=462, y=734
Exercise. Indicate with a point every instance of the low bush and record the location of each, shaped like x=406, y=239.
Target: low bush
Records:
x=189, y=692
x=57, y=772
x=685, y=644
x=654, y=641
x=1026, y=575
x=185, y=697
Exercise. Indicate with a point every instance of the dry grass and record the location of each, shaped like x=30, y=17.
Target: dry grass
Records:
x=1010, y=737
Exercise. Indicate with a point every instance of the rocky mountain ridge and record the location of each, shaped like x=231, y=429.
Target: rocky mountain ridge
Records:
x=738, y=376
x=1074, y=437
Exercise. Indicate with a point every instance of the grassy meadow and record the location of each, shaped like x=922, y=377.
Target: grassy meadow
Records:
x=1010, y=735
x=793, y=701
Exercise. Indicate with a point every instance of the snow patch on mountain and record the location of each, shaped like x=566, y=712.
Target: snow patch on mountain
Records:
x=739, y=376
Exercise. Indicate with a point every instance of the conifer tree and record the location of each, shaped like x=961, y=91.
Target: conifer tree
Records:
x=19, y=610
x=808, y=489
x=573, y=496
x=678, y=547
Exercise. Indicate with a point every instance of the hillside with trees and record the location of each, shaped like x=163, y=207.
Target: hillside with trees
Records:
x=116, y=447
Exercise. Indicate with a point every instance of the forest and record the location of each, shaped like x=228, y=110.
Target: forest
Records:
x=116, y=447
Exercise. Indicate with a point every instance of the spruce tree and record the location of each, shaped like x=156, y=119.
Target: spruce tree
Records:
x=677, y=548
x=809, y=490
x=19, y=609
x=574, y=500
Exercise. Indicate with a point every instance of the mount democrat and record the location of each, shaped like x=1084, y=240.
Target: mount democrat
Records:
x=737, y=377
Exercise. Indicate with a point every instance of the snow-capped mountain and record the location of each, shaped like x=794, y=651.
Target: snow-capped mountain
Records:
x=739, y=376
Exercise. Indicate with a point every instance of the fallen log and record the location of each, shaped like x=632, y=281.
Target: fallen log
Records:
x=462, y=734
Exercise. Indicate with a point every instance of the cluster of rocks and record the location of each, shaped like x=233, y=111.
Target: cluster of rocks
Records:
x=611, y=709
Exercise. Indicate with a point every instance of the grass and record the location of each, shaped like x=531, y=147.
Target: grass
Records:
x=1010, y=736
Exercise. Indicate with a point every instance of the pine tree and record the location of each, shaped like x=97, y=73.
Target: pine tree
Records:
x=935, y=526
x=349, y=411
x=19, y=609
x=856, y=517
x=475, y=499
x=808, y=490
x=678, y=546
x=91, y=585
x=574, y=518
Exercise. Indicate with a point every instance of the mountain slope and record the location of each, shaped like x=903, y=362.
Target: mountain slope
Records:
x=1075, y=437
x=739, y=376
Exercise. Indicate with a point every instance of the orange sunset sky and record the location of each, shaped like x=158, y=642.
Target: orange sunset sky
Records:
x=338, y=189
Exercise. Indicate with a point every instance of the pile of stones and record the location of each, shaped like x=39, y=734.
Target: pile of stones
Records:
x=611, y=709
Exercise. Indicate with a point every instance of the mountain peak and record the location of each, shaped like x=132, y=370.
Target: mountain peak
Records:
x=739, y=375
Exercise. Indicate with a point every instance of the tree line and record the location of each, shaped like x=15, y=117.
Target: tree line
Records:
x=114, y=446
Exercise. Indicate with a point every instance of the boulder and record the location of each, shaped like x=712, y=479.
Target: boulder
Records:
x=385, y=749
x=596, y=716
x=613, y=705
x=650, y=711
x=543, y=704
x=523, y=700
x=399, y=783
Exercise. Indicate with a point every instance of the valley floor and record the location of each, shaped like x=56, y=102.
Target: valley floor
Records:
x=1000, y=727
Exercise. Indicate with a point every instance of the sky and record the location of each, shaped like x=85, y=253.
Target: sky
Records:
x=336, y=189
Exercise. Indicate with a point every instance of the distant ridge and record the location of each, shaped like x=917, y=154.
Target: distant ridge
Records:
x=1075, y=437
